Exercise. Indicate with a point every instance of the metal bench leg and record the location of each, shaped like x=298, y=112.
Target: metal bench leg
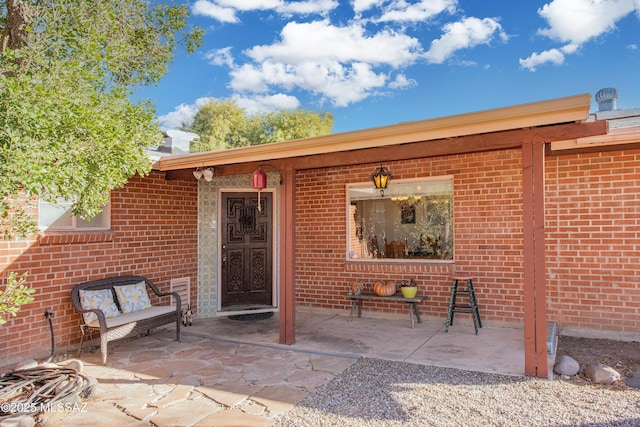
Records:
x=411, y=314
x=353, y=309
x=415, y=308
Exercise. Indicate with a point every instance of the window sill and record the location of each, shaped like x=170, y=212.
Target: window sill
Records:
x=399, y=261
x=49, y=238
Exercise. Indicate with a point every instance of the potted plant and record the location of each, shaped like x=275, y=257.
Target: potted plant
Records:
x=409, y=289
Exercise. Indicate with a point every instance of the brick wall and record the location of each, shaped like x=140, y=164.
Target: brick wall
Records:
x=593, y=245
x=487, y=236
x=154, y=226
x=593, y=239
x=593, y=242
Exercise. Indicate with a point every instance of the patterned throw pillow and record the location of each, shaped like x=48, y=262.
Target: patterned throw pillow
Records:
x=133, y=297
x=102, y=299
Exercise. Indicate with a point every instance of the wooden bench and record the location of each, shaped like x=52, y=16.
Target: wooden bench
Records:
x=413, y=308
x=129, y=324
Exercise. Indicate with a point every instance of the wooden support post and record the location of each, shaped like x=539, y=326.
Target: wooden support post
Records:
x=287, y=258
x=535, y=312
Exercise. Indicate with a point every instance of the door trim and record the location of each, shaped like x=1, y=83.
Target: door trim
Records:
x=275, y=259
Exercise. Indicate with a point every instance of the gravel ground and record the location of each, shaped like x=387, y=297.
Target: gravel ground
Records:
x=376, y=392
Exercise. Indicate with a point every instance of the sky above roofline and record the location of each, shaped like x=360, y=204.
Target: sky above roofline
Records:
x=379, y=62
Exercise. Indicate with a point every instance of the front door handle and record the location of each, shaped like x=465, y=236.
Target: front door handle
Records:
x=224, y=256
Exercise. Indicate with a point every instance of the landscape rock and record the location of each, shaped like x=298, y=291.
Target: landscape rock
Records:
x=567, y=366
x=602, y=374
x=634, y=380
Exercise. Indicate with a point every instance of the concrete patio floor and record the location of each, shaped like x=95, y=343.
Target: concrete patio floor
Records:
x=228, y=372
x=493, y=350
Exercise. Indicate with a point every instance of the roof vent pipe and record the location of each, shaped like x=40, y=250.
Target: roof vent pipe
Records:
x=607, y=98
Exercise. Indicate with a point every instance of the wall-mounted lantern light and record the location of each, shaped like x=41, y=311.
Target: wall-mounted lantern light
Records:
x=381, y=177
x=259, y=180
x=206, y=173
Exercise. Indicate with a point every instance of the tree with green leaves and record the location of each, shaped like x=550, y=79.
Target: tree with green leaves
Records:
x=287, y=125
x=217, y=123
x=15, y=294
x=67, y=127
x=223, y=124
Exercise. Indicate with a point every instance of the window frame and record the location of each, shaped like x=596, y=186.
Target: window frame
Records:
x=73, y=228
x=388, y=194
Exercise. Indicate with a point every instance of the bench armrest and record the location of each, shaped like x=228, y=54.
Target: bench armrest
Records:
x=102, y=320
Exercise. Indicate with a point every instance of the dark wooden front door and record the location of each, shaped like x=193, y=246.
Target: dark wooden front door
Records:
x=247, y=251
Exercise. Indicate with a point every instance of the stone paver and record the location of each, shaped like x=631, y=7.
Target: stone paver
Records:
x=234, y=418
x=279, y=398
x=156, y=381
x=94, y=414
x=185, y=413
x=229, y=396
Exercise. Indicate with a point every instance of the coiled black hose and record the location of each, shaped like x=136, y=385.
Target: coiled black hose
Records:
x=49, y=315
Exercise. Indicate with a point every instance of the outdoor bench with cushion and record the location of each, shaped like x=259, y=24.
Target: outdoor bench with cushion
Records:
x=119, y=307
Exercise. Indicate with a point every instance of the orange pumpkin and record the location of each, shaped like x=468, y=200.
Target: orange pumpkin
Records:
x=384, y=289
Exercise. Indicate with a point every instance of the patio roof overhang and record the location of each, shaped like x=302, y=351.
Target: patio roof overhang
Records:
x=528, y=126
x=568, y=110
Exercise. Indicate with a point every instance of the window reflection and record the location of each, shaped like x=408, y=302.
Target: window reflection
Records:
x=413, y=220
x=58, y=216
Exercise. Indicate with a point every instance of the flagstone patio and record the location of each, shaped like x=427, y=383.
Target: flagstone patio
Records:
x=234, y=373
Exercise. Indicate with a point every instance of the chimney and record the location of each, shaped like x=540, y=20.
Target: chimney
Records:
x=607, y=98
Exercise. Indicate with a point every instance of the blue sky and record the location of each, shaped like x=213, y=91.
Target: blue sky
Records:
x=380, y=62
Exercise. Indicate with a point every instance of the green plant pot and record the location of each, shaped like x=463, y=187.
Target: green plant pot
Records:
x=409, y=292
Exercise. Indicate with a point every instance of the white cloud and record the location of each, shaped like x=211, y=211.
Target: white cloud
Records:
x=345, y=63
x=212, y=10
x=300, y=60
x=262, y=104
x=182, y=113
x=226, y=10
x=577, y=21
x=360, y=6
x=401, y=11
x=342, y=85
x=220, y=57
x=321, y=7
x=248, y=5
x=554, y=56
x=402, y=82
x=258, y=77
x=322, y=42
x=464, y=34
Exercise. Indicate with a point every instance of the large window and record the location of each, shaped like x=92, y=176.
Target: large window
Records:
x=412, y=220
x=58, y=217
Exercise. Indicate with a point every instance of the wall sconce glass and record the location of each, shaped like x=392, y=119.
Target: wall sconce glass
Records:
x=381, y=177
x=207, y=174
x=259, y=181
